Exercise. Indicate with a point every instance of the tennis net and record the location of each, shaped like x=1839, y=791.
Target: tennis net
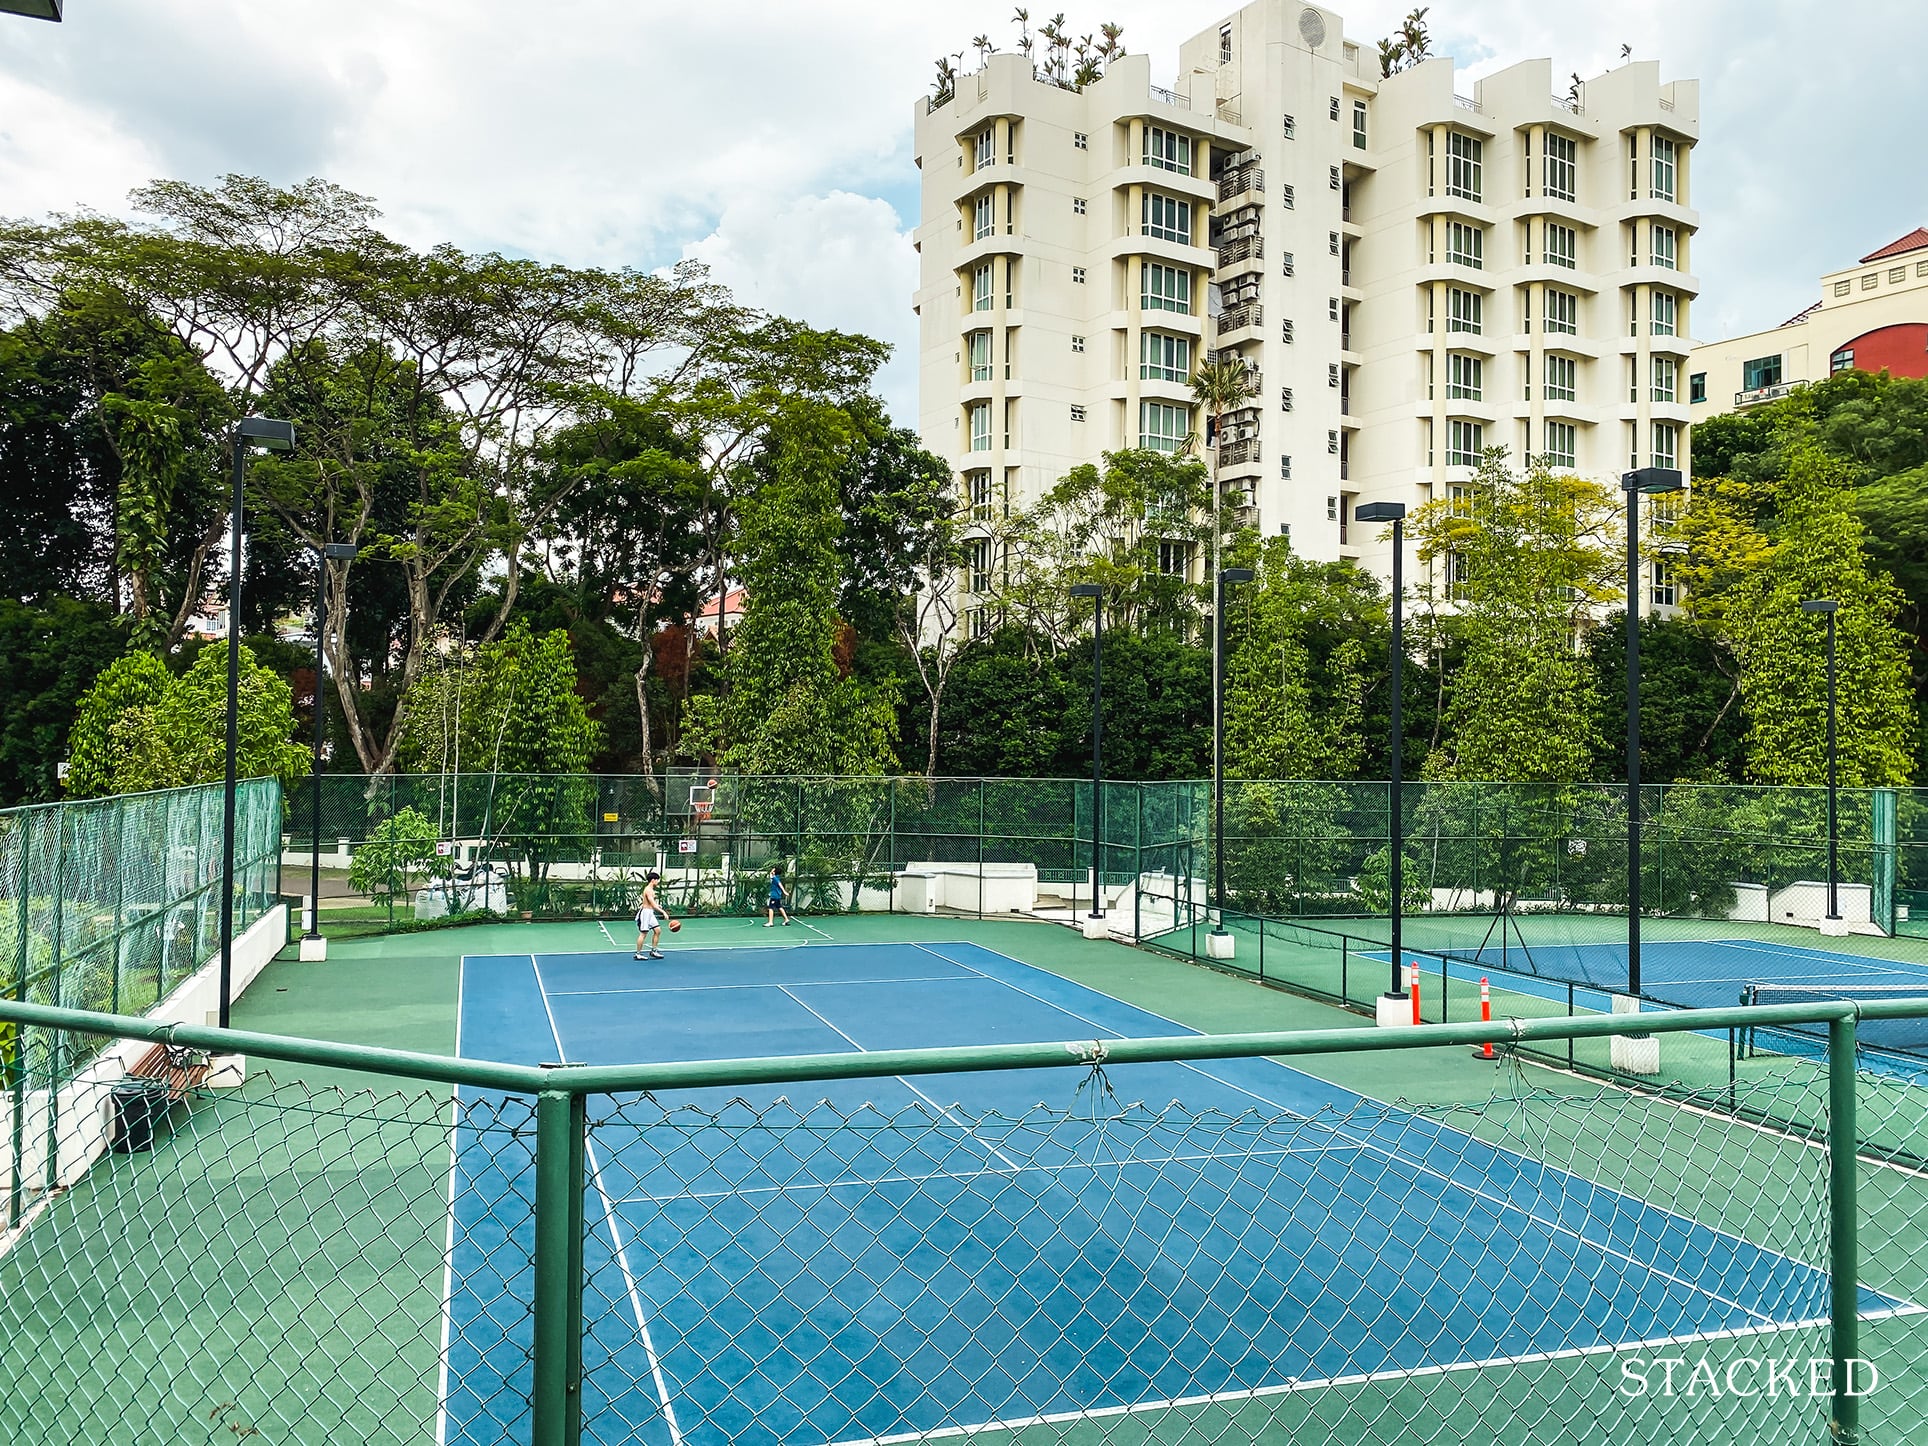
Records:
x=1906, y=1035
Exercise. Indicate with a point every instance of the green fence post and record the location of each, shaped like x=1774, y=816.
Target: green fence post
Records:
x=1882, y=836
x=54, y=1051
x=556, y=1405
x=1844, y=1272
x=18, y=1064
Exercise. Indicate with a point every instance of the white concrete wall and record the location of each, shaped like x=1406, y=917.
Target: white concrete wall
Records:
x=83, y=1123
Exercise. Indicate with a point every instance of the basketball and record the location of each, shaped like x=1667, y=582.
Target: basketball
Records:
x=674, y=925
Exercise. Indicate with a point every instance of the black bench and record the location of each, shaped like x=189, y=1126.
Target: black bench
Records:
x=157, y=1079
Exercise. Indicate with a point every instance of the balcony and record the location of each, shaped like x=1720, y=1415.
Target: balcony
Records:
x=1238, y=318
x=1764, y=394
x=1239, y=452
x=1239, y=181
x=1241, y=248
x=1245, y=515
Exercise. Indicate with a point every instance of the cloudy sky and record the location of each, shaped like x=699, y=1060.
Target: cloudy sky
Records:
x=772, y=138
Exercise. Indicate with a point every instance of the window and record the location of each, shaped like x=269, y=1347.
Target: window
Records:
x=1465, y=245
x=979, y=620
x=1562, y=246
x=1332, y=178
x=1666, y=445
x=1665, y=591
x=1285, y=468
x=1078, y=275
x=1697, y=386
x=1175, y=559
x=1289, y=266
x=981, y=288
x=1164, y=358
x=1162, y=426
x=1332, y=509
x=1285, y=331
x=1463, y=376
x=980, y=343
x=1165, y=288
x=1870, y=281
x=1285, y=399
x=1463, y=442
x=1077, y=205
x=1841, y=288
x=1332, y=308
x=978, y=559
x=1080, y=140
x=1897, y=274
x=1359, y=125
x=1332, y=107
x=1332, y=440
x=1225, y=46
x=1666, y=376
x=1077, y=412
x=983, y=216
x=1332, y=243
x=1291, y=128
x=1288, y=197
x=980, y=414
x=1562, y=167
x=1462, y=166
x=1077, y=343
x=984, y=155
x=1763, y=371
x=1459, y=499
x=1666, y=247
x=1168, y=150
x=1562, y=311
x=1332, y=374
x=1664, y=153
x=1463, y=311
x=1841, y=361
x=1561, y=444
x=1562, y=378
x=978, y=486
x=1665, y=312
x=1167, y=218
x=1921, y=268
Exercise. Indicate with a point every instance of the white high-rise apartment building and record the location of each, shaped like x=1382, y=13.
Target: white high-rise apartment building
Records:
x=1412, y=274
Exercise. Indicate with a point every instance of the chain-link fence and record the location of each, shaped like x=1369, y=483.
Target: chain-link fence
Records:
x=109, y=904
x=702, y=1254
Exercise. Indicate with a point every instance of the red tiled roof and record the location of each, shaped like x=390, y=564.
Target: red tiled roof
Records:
x=1802, y=315
x=1915, y=240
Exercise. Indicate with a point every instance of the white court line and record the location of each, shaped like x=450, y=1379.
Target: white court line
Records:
x=942, y=1110
x=448, y=1248
x=1500, y=1203
x=690, y=988
x=616, y=1236
x=849, y=1182
x=1295, y=1387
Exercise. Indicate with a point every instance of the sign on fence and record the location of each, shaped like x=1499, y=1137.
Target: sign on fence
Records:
x=686, y=846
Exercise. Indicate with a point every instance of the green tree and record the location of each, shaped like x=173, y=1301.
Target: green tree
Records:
x=1817, y=552
x=49, y=657
x=397, y=850
x=1523, y=558
x=139, y=727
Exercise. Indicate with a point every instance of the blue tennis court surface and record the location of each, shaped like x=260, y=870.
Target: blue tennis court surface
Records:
x=1687, y=974
x=936, y=1254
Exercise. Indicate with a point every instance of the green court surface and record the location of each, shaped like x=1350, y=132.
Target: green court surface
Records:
x=304, y=1218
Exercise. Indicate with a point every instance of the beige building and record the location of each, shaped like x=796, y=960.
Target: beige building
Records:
x=1872, y=317
x=1411, y=273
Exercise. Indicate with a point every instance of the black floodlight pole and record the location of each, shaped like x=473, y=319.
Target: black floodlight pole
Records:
x=1225, y=575
x=328, y=552
x=1096, y=593
x=1643, y=481
x=1395, y=513
x=1830, y=608
x=273, y=436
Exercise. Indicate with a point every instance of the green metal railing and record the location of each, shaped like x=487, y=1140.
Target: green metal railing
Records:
x=201, y=1288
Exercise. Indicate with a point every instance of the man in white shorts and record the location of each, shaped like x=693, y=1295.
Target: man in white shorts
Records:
x=649, y=921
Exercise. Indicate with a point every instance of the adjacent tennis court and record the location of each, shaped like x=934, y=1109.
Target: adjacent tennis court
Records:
x=946, y=1253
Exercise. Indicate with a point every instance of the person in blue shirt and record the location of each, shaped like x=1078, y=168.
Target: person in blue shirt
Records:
x=774, y=905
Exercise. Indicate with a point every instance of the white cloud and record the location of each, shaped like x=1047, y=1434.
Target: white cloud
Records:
x=56, y=155
x=838, y=261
